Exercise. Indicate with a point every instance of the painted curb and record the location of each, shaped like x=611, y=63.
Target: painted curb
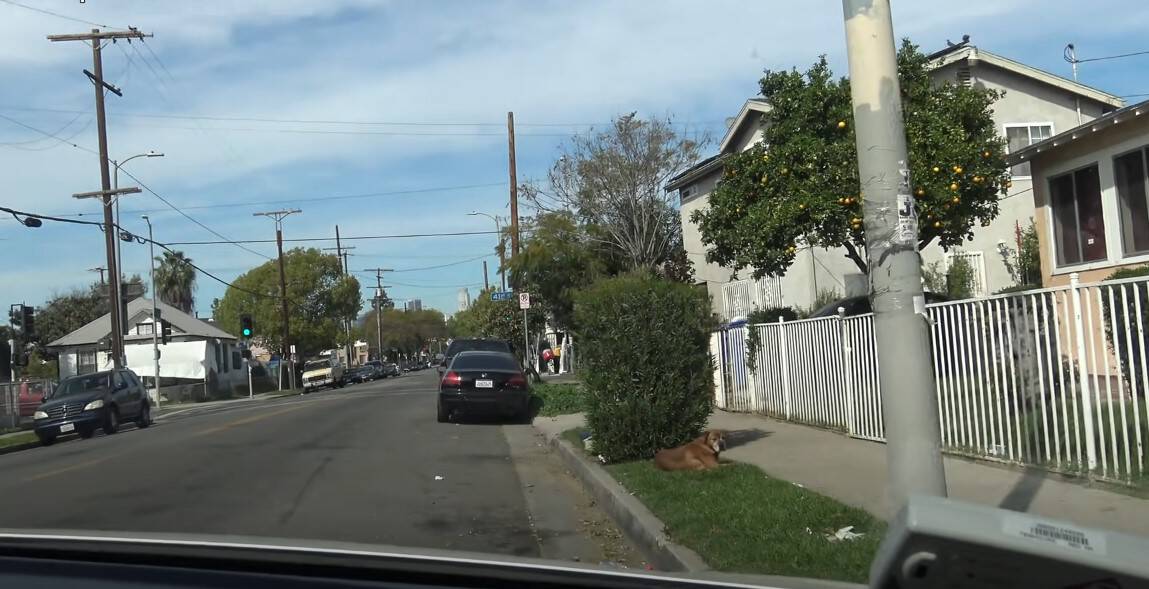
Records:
x=637, y=522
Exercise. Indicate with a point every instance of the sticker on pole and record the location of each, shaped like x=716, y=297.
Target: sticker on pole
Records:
x=907, y=227
x=524, y=300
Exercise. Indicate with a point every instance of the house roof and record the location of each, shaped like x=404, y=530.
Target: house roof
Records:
x=696, y=171
x=966, y=51
x=751, y=110
x=101, y=328
x=1101, y=123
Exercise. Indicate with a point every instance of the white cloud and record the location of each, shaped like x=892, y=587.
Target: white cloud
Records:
x=576, y=62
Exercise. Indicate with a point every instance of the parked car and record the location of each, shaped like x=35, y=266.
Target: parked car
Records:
x=32, y=394
x=483, y=382
x=323, y=372
x=860, y=305
x=378, y=369
x=476, y=344
x=85, y=403
x=357, y=375
x=393, y=369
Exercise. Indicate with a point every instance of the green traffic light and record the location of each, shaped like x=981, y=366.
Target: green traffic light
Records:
x=246, y=332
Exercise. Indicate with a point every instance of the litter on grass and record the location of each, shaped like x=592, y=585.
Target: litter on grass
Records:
x=438, y=477
x=843, y=535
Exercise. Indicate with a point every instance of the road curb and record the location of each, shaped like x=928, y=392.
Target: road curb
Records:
x=19, y=447
x=637, y=522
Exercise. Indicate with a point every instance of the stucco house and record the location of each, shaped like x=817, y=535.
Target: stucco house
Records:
x=1036, y=106
x=199, y=360
x=1091, y=191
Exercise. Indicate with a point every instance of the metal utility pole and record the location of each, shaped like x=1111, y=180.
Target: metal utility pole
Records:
x=514, y=185
x=379, y=306
x=96, y=39
x=156, y=325
x=909, y=396
x=116, y=165
x=286, y=345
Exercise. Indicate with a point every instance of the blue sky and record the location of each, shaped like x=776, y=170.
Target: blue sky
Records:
x=563, y=67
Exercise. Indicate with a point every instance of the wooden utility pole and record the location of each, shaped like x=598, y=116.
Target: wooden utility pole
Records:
x=341, y=252
x=379, y=307
x=100, y=269
x=96, y=39
x=486, y=283
x=514, y=185
x=285, y=346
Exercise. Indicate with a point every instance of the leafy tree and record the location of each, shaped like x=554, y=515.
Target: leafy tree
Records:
x=175, y=280
x=320, y=299
x=496, y=320
x=555, y=260
x=406, y=331
x=801, y=182
x=612, y=183
x=1024, y=263
x=65, y=313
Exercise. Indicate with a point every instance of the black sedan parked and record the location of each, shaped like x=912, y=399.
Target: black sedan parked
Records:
x=483, y=382
x=85, y=403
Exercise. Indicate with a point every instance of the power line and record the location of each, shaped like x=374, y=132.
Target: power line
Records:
x=448, y=265
x=58, y=15
x=239, y=119
x=353, y=237
x=191, y=218
x=142, y=185
x=1107, y=57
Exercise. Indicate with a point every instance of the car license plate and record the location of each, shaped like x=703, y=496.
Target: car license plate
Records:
x=484, y=384
x=67, y=427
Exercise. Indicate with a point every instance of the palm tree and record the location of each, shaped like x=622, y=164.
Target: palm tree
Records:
x=175, y=281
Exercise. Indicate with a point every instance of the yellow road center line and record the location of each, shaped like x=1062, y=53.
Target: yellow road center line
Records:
x=50, y=473
x=252, y=419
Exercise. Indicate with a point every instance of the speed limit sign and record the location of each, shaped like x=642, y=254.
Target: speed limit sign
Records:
x=524, y=300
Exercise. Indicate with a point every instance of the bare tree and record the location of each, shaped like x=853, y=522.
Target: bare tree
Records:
x=613, y=182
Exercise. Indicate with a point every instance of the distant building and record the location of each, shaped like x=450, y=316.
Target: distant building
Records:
x=464, y=299
x=413, y=305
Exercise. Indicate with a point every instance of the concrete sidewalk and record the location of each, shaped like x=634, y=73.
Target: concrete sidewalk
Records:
x=854, y=471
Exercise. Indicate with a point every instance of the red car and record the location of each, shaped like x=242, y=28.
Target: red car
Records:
x=32, y=393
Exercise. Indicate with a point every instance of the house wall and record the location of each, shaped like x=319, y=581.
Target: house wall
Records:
x=1024, y=101
x=713, y=275
x=1100, y=148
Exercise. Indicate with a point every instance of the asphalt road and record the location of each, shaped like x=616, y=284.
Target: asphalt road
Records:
x=367, y=463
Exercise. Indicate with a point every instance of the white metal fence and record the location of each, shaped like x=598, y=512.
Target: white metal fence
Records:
x=1053, y=377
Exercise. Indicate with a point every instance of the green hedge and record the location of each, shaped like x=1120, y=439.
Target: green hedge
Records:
x=648, y=374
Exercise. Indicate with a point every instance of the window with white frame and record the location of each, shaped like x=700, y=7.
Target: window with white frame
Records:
x=976, y=261
x=143, y=329
x=1132, y=182
x=1078, y=222
x=86, y=362
x=1024, y=135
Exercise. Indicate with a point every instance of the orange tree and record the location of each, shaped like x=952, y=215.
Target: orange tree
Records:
x=801, y=182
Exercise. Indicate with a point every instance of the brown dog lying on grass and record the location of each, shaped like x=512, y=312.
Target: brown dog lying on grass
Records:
x=701, y=453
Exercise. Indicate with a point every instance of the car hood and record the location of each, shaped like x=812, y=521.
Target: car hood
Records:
x=317, y=371
x=271, y=555
x=73, y=399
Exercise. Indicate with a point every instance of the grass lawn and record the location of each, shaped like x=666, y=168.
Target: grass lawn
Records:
x=559, y=399
x=18, y=439
x=741, y=520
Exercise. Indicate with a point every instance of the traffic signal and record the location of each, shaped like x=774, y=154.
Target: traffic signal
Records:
x=246, y=328
x=15, y=316
x=28, y=326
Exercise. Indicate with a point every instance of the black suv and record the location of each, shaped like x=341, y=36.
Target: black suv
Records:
x=87, y=402
x=474, y=345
